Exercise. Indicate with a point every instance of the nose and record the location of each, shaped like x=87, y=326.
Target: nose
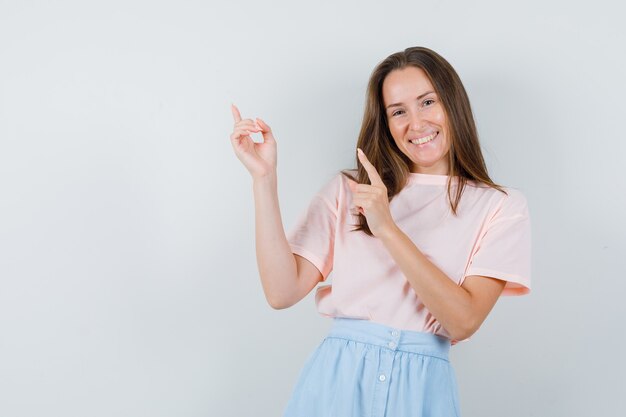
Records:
x=415, y=121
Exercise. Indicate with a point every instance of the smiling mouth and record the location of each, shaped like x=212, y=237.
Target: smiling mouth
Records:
x=425, y=139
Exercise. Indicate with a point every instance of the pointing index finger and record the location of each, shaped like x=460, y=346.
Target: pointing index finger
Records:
x=235, y=111
x=371, y=170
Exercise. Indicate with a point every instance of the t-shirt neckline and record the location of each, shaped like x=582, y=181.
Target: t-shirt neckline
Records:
x=420, y=178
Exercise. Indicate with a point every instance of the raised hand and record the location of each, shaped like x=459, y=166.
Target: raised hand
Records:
x=258, y=158
x=371, y=200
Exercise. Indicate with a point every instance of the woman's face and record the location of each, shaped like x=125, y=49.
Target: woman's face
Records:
x=414, y=112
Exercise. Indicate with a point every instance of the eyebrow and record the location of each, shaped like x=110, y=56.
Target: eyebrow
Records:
x=419, y=97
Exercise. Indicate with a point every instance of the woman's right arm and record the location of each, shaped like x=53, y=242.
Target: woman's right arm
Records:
x=286, y=278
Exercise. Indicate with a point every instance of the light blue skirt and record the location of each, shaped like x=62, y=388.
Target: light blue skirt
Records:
x=367, y=369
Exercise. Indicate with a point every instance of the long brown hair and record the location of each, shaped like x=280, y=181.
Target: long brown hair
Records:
x=465, y=158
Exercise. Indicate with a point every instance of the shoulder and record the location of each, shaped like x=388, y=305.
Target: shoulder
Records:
x=511, y=194
x=506, y=201
x=346, y=175
x=515, y=197
x=512, y=204
x=339, y=181
x=333, y=187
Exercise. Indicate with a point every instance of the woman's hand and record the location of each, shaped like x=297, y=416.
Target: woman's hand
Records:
x=258, y=158
x=372, y=201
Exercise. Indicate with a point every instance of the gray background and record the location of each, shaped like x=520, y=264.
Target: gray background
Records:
x=128, y=280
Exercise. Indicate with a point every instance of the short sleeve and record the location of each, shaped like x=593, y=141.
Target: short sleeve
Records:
x=504, y=249
x=313, y=234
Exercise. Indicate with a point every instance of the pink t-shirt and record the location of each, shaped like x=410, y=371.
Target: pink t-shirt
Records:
x=491, y=236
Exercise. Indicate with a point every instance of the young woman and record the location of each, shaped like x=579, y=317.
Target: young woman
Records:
x=420, y=240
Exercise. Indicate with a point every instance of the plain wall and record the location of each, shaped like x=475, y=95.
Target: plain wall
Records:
x=128, y=277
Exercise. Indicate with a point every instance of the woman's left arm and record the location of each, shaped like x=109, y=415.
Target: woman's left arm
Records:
x=460, y=309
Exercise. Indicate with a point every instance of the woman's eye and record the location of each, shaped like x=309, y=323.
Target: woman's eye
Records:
x=396, y=112
x=425, y=101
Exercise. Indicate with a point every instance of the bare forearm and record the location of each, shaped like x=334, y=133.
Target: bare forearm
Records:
x=276, y=263
x=449, y=303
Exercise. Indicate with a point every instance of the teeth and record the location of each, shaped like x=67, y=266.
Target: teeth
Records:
x=423, y=140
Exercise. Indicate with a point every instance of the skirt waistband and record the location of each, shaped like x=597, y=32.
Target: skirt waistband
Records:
x=367, y=331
